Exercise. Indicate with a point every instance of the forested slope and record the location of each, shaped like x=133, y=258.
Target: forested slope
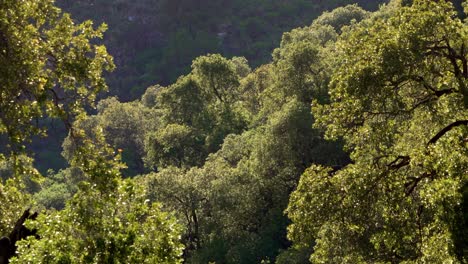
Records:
x=154, y=41
x=349, y=146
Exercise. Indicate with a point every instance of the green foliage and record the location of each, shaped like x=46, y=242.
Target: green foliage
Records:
x=232, y=204
x=58, y=188
x=251, y=89
x=300, y=71
x=182, y=103
x=149, y=98
x=217, y=78
x=246, y=185
x=48, y=66
x=234, y=152
x=175, y=145
x=13, y=202
x=197, y=112
x=398, y=98
x=124, y=126
x=294, y=256
x=108, y=220
x=186, y=196
x=121, y=228
x=341, y=16
x=18, y=180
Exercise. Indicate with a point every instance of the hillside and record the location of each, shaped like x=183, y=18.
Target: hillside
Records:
x=154, y=41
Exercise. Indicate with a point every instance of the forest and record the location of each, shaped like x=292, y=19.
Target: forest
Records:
x=154, y=42
x=197, y=141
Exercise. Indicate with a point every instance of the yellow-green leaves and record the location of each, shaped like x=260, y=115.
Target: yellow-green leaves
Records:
x=49, y=67
x=398, y=99
x=115, y=227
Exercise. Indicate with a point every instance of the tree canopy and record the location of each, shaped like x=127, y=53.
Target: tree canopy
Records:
x=349, y=146
x=50, y=67
x=398, y=98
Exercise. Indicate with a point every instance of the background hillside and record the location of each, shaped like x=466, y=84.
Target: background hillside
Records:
x=154, y=41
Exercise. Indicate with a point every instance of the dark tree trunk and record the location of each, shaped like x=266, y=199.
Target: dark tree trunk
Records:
x=8, y=244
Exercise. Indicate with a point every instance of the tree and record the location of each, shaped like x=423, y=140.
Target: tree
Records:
x=50, y=68
x=182, y=103
x=174, y=145
x=251, y=88
x=179, y=140
x=58, y=188
x=18, y=180
x=197, y=112
x=217, y=77
x=342, y=16
x=149, y=98
x=125, y=126
x=123, y=228
x=108, y=220
x=398, y=98
x=184, y=192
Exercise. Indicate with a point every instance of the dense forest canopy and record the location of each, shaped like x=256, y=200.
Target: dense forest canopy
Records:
x=154, y=41
x=348, y=145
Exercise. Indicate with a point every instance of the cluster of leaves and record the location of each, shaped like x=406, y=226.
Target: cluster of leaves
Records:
x=108, y=220
x=18, y=181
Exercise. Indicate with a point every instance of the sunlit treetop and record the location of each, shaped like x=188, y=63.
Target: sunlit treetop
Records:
x=49, y=66
x=399, y=99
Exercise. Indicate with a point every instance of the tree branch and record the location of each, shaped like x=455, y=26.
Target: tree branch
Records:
x=447, y=129
x=411, y=186
x=399, y=162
